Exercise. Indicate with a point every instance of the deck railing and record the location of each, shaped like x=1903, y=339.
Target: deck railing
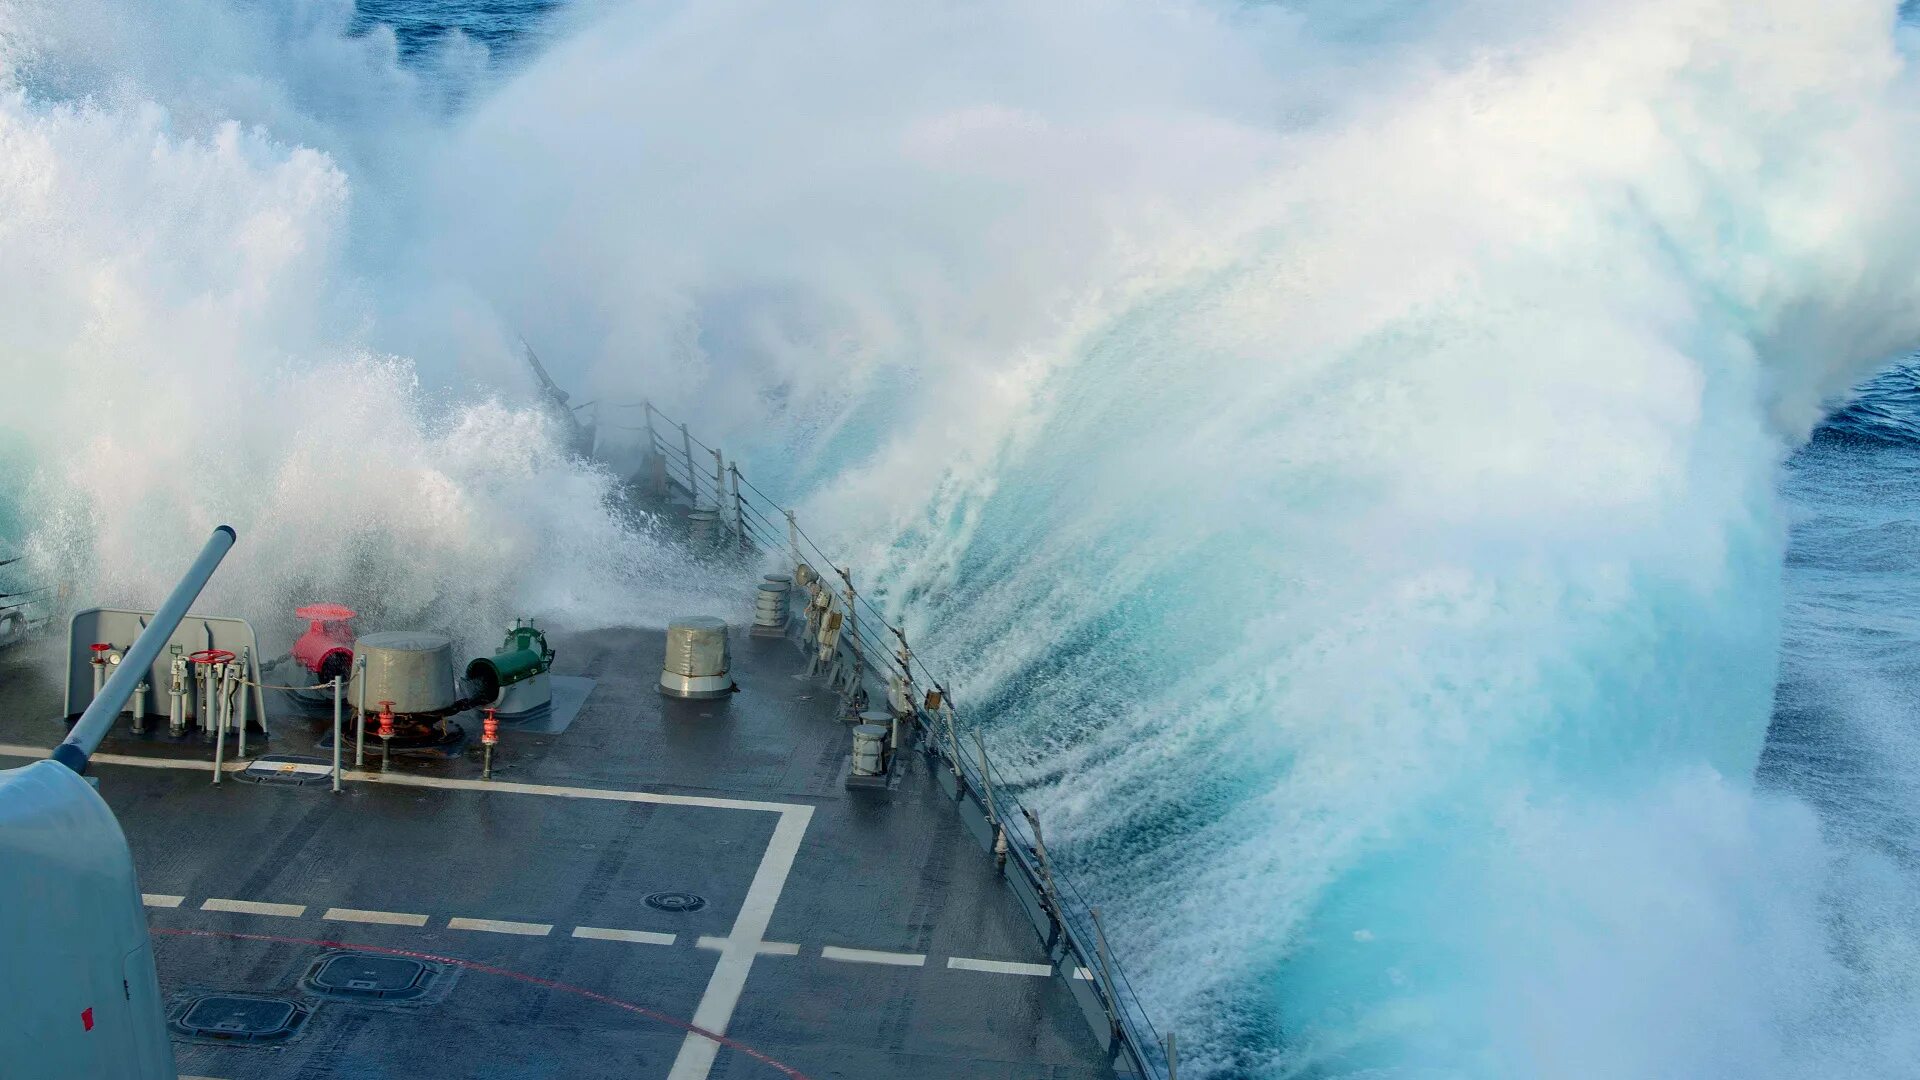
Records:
x=748, y=520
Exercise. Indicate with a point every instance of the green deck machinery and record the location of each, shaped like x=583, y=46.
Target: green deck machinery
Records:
x=514, y=678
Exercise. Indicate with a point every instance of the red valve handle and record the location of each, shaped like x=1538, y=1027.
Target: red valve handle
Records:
x=211, y=656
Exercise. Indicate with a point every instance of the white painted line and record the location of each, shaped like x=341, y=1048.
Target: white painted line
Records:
x=447, y=783
x=717, y=1003
x=765, y=948
x=644, y=937
x=17, y=750
x=501, y=926
x=389, y=918
x=561, y=792
x=1083, y=974
x=154, y=899
x=874, y=956
x=288, y=768
x=997, y=967
x=255, y=907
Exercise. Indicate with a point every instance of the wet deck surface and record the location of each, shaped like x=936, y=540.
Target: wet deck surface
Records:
x=840, y=934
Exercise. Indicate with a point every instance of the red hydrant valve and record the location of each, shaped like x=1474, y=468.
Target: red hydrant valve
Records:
x=490, y=729
x=386, y=719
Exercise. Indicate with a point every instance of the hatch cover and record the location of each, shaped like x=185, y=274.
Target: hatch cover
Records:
x=286, y=769
x=676, y=901
x=369, y=975
x=240, y=1018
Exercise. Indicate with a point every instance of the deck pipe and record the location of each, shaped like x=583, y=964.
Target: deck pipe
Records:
x=94, y=724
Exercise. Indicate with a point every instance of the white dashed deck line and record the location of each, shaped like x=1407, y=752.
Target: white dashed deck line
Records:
x=387, y=918
x=502, y=926
x=1083, y=974
x=253, y=907
x=154, y=899
x=717, y=1002
x=644, y=937
x=765, y=948
x=997, y=967
x=874, y=956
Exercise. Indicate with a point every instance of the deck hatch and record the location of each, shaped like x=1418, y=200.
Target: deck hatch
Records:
x=367, y=975
x=240, y=1018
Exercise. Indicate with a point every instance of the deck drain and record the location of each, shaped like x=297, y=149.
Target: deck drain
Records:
x=240, y=1018
x=365, y=975
x=676, y=901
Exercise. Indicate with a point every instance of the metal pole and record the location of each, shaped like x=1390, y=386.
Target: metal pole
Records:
x=99, y=716
x=360, y=734
x=1173, y=1058
x=246, y=664
x=220, y=725
x=646, y=411
x=720, y=488
x=1106, y=966
x=739, y=524
x=693, y=474
x=793, y=538
x=337, y=703
x=986, y=777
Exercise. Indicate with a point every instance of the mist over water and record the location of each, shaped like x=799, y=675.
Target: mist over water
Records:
x=1336, y=450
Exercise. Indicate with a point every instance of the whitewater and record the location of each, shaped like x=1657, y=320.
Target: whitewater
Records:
x=1345, y=455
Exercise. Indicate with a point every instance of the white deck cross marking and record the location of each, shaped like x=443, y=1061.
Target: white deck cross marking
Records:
x=722, y=994
x=767, y=948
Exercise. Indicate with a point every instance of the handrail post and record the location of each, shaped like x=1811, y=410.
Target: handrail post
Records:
x=646, y=412
x=337, y=692
x=720, y=488
x=246, y=665
x=793, y=538
x=693, y=474
x=739, y=522
x=986, y=778
x=360, y=726
x=1106, y=973
x=1173, y=1058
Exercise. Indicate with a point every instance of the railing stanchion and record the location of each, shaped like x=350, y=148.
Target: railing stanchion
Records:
x=693, y=475
x=1106, y=971
x=739, y=522
x=337, y=703
x=360, y=726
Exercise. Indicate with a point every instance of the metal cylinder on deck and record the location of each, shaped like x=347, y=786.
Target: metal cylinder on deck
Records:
x=869, y=743
x=698, y=663
x=703, y=526
x=770, y=608
x=412, y=669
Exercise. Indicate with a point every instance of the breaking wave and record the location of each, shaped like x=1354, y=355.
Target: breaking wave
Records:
x=1336, y=446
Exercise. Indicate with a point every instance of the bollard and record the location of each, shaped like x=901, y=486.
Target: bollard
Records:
x=337, y=704
x=868, y=755
x=489, y=738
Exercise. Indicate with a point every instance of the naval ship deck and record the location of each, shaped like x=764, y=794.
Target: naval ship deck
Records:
x=840, y=933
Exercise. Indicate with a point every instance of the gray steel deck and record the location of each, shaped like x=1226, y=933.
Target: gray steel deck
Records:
x=835, y=916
